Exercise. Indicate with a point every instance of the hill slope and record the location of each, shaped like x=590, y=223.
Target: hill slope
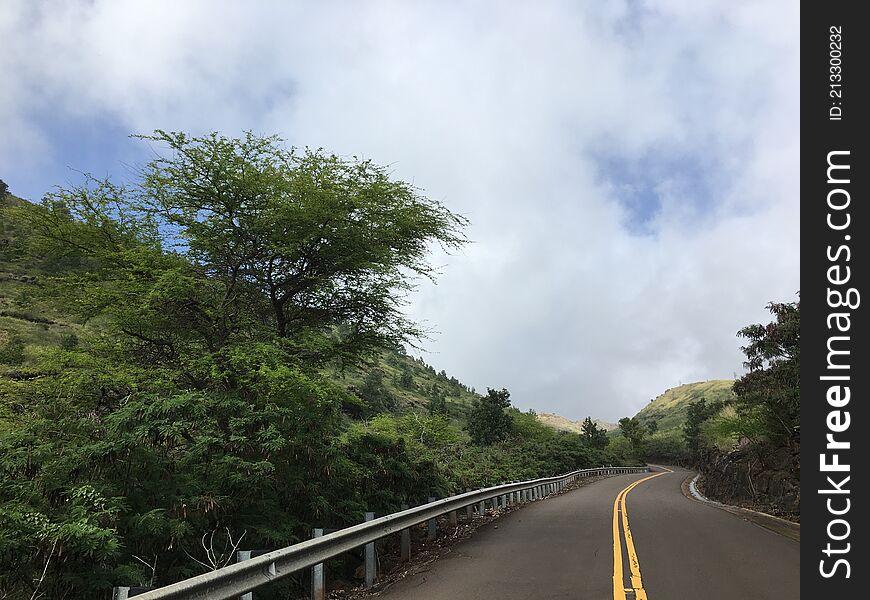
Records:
x=564, y=424
x=668, y=410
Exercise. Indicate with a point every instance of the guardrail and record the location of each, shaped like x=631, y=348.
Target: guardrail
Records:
x=237, y=579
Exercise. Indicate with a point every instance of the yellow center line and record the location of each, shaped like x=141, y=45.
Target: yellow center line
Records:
x=619, y=506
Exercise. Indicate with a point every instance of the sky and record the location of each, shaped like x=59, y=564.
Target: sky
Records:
x=629, y=168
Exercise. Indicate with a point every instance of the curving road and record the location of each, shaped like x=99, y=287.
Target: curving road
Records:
x=577, y=546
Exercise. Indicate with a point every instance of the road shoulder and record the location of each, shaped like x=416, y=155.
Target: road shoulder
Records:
x=777, y=525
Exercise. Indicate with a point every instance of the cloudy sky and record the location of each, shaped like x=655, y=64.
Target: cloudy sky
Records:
x=630, y=168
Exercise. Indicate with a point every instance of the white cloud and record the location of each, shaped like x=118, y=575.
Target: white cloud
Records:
x=503, y=112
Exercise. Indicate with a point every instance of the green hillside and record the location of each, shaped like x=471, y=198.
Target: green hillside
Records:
x=560, y=423
x=668, y=411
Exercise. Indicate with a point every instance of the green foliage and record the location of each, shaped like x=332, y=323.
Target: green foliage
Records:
x=323, y=241
x=768, y=396
x=373, y=391
x=667, y=446
x=696, y=416
x=437, y=401
x=407, y=379
x=69, y=341
x=487, y=421
x=635, y=433
x=11, y=349
x=595, y=436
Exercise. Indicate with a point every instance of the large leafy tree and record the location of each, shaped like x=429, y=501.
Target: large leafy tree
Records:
x=324, y=241
x=768, y=396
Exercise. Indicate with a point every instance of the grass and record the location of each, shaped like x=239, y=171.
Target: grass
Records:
x=669, y=409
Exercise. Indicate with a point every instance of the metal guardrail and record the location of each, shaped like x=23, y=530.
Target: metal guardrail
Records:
x=234, y=580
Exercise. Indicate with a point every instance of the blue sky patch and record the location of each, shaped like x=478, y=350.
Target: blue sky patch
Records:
x=639, y=185
x=85, y=143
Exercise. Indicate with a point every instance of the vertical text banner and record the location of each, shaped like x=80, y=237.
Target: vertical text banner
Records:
x=835, y=224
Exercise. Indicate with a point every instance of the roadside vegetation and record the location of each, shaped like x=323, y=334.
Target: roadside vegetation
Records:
x=214, y=358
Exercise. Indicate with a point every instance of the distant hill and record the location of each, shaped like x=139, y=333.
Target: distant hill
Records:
x=564, y=424
x=669, y=409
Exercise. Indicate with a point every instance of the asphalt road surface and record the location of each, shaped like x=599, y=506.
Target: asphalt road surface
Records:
x=564, y=547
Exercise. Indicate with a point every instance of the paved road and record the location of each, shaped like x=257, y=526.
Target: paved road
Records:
x=563, y=547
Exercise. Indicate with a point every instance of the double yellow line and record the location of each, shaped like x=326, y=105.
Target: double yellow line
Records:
x=619, y=588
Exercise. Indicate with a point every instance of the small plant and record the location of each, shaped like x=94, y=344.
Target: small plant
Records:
x=11, y=349
x=69, y=341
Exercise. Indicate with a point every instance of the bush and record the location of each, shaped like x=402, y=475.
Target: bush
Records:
x=11, y=349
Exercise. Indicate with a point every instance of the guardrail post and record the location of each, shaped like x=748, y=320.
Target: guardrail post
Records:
x=240, y=556
x=451, y=518
x=370, y=556
x=432, y=524
x=405, y=541
x=469, y=510
x=123, y=592
x=318, y=589
x=482, y=508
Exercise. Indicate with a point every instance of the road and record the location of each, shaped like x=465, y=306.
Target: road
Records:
x=563, y=547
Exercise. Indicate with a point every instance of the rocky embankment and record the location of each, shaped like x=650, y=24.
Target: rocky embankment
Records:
x=763, y=479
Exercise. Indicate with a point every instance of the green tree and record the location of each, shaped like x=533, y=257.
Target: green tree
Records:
x=375, y=393
x=406, y=379
x=11, y=349
x=595, y=436
x=488, y=421
x=321, y=240
x=768, y=396
x=698, y=413
x=437, y=401
x=634, y=432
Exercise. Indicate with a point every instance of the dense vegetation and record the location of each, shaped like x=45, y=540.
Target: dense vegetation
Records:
x=213, y=357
